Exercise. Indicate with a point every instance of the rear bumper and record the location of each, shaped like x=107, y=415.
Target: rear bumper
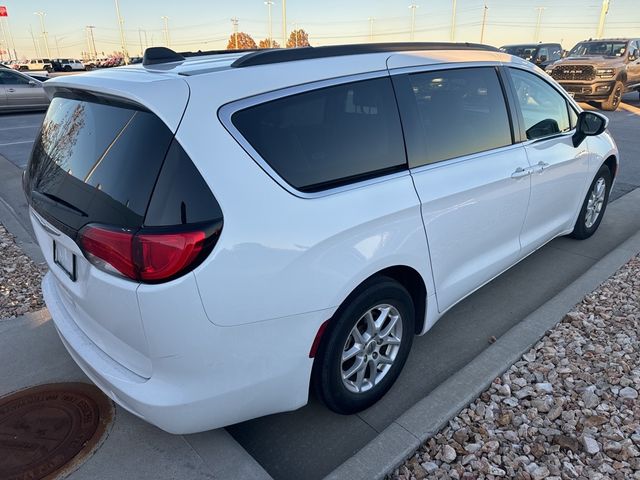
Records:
x=589, y=91
x=223, y=375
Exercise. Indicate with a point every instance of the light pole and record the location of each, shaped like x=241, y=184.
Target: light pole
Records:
x=371, y=20
x=603, y=16
x=453, y=21
x=6, y=43
x=92, y=42
x=35, y=44
x=140, y=39
x=123, y=38
x=268, y=3
x=234, y=22
x=44, y=33
x=167, y=38
x=484, y=22
x=413, y=7
x=284, y=23
x=538, y=23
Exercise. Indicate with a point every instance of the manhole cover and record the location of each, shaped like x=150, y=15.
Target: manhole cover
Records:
x=48, y=429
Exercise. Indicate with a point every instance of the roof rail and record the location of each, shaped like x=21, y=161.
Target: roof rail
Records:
x=268, y=56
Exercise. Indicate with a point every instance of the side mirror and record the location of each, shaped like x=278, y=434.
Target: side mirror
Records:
x=633, y=56
x=542, y=58
x=32, y=83
x=589, y=124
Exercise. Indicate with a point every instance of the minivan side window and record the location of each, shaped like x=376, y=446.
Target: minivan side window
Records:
x=459, y=112
x=544, y=110
x=328, y=137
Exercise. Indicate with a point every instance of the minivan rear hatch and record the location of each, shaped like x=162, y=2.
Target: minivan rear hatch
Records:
x=96, y=161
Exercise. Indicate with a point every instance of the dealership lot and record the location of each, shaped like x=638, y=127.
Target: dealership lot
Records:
x=312, y=441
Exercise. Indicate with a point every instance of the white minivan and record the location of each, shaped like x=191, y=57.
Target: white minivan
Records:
x=227, y=231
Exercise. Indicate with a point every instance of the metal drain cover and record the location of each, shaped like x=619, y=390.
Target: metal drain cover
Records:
x=49, y=429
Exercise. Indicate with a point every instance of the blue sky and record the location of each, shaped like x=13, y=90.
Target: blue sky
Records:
x=206, y=24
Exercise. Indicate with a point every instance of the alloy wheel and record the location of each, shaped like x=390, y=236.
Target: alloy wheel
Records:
x=371, y=348
x=595, y=203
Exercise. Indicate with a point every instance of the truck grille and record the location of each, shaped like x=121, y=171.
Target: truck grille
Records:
x=574, y=72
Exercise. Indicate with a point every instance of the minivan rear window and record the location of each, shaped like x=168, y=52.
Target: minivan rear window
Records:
x=328, y=137
x=96, y=160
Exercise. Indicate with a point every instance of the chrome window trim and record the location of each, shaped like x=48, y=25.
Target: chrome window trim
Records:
x=430, y=67
x=464, y=158
x=226, y=111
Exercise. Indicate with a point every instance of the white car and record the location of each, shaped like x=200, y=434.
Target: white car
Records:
x=35, y=64
x=217, y=244
x=67, y=65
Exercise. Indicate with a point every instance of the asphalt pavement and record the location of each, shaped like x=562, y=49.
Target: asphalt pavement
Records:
x=312, y=441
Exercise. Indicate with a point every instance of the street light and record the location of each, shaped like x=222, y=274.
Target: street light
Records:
x=268, y=3
x=167, y=39
x=413, y=7
x=44, y=33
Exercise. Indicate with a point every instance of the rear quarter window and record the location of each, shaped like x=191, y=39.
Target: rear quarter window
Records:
x=328, y=137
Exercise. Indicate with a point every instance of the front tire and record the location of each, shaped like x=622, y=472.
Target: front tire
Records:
x=594, y=205
x=612, y=103
x=365, y=346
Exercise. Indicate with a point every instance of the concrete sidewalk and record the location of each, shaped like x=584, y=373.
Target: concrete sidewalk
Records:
x=32, y=354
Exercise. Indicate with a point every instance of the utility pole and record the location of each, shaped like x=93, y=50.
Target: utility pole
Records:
x=538, y=24
x=146, y=42
x=13, y=45
x=140, y=39
x=35, y=44
x=93, y=42
x=123, y=38
x=603, y=16
x=44, y=33
x=167, y=38
x=234, y=21
x=268, y=3
x=371, y=20
x=88, y=38
x=484, y=22
x=413, y=7
x=453, y=21
x=57, y=46
x=284, y=23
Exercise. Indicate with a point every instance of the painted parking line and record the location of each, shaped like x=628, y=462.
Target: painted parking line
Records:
x=630, y=108
x=16, y=143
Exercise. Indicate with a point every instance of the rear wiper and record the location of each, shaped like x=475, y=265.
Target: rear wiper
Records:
x=61, y=201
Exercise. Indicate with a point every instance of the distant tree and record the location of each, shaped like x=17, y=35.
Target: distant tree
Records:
x=298, y=38
x=244, y=42
x=265, y=44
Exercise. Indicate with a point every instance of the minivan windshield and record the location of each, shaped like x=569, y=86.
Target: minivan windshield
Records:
x=599, y=49
x=523, y=51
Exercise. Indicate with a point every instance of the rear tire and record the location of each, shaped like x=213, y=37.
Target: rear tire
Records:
x=594, y=205
x=67, y=68
x=611, y=103
x=365, y=346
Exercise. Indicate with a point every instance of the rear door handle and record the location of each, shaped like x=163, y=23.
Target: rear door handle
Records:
x=11, y=89
x=521, y=172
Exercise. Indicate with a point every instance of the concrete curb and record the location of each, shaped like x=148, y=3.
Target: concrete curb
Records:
x=403, y=437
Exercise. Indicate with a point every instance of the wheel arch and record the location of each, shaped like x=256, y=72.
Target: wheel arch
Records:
x=612, y=163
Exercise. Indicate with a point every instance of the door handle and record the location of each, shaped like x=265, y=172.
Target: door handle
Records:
x=521, y=172
x=11, y=89
x=540, y=167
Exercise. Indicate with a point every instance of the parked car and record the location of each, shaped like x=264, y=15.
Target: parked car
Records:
x=33, y=64
x=20, y=92
x=542, y=54
x=600, y=71
x=66, y=65
x=207, y=268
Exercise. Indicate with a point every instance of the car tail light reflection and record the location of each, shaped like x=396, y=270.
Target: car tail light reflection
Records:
x=149, y=257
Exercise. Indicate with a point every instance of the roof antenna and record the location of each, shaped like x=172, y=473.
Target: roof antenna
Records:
x=156, y=55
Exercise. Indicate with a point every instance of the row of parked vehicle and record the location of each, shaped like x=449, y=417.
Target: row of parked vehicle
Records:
x=63, y=64
x=596, y=71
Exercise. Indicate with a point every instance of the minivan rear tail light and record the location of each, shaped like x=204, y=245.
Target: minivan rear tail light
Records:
x=146, y=256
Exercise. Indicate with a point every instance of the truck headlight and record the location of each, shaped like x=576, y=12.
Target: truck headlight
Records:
x=605, y=72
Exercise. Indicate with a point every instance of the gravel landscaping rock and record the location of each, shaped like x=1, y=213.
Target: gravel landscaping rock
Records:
x=19, y=279
x=568, y=409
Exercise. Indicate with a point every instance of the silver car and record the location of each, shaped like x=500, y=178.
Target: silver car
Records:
x=20, y=92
